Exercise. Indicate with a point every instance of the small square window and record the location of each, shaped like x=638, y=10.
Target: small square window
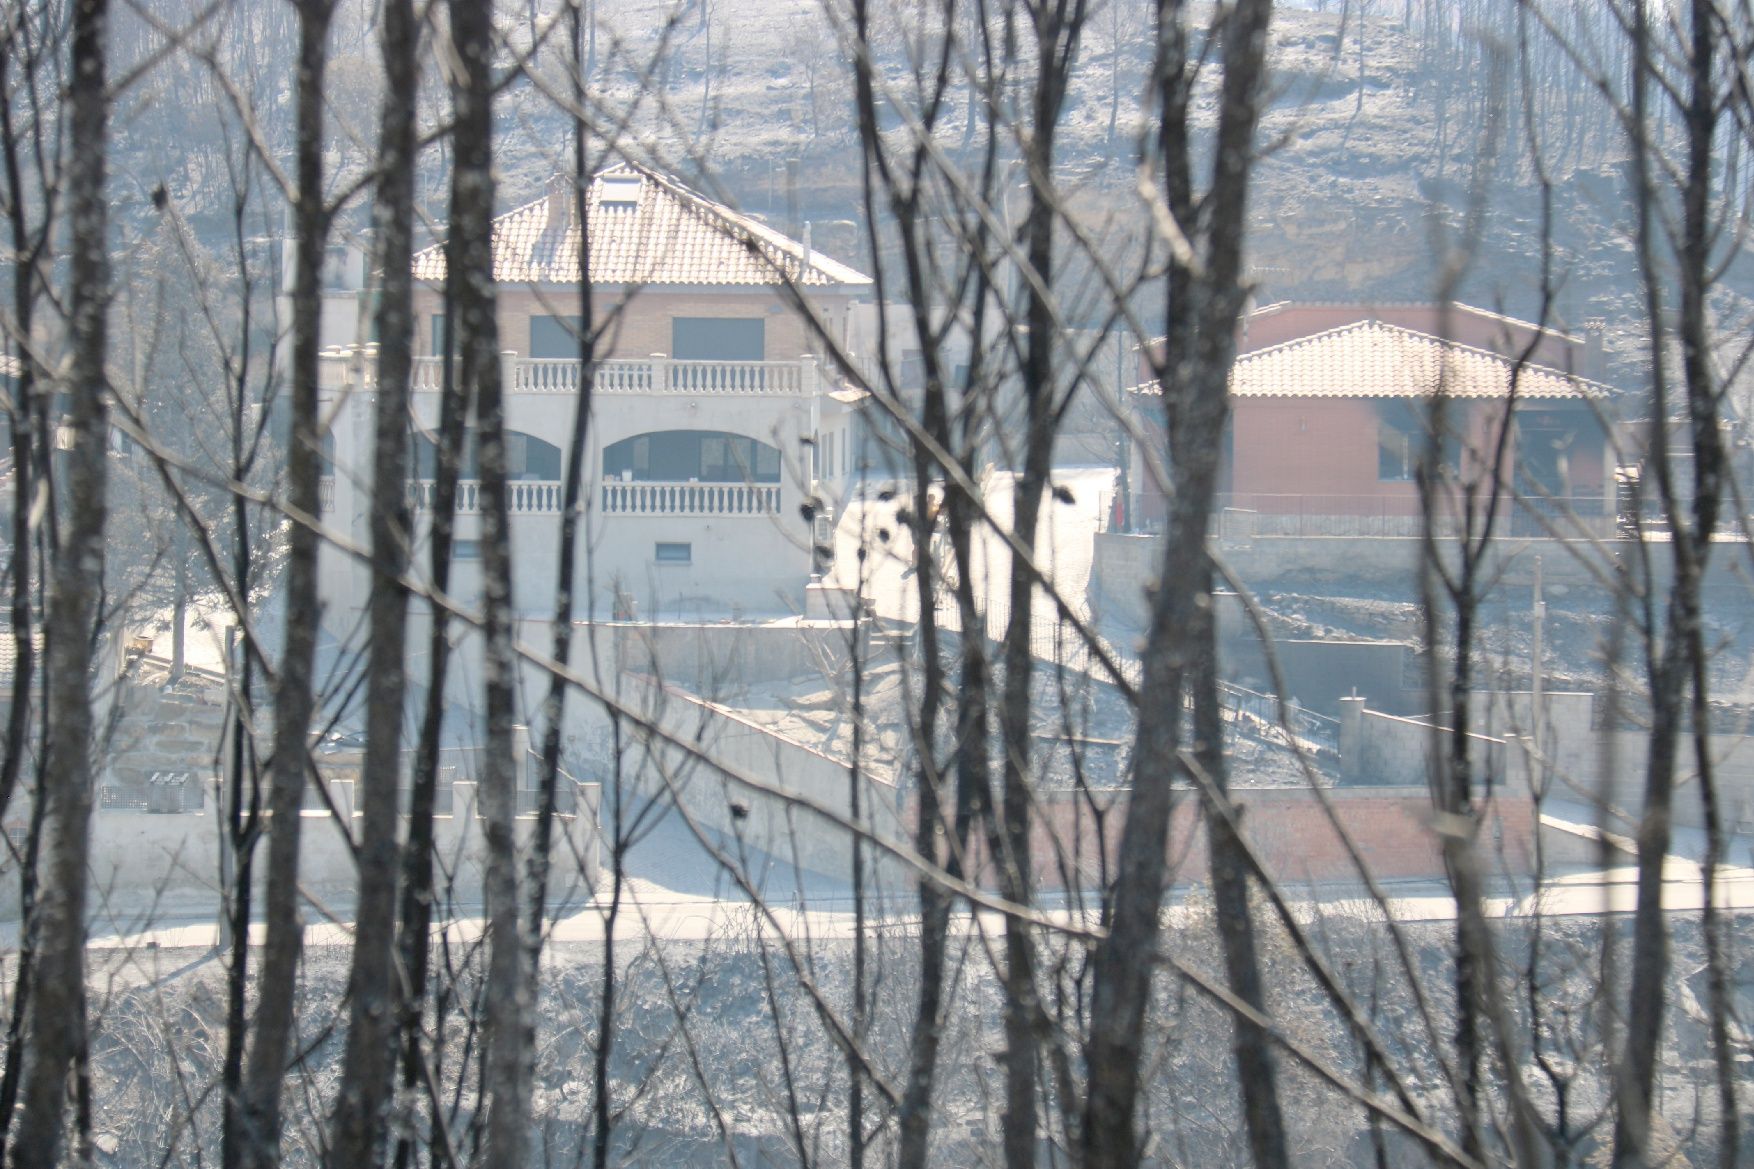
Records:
x=674, y=554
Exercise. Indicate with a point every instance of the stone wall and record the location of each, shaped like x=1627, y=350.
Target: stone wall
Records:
x=163, y=730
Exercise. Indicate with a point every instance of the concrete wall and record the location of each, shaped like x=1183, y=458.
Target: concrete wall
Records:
x=1570, y=760
x=1124, y=563
x=168, y=861
x=1386, y=750
x=145, y=865
x=769, y=821
x=719, y=659
x=1122, y=566
x=1320, y=673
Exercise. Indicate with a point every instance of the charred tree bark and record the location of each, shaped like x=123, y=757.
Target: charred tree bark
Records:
x=414, y=941
x=1204, y=298
x=1058, y=28
x=258, y=1134
x=362, y=1105
x=507, y=1040
x=27, y=478
x=1677, y=666
x=55, y=1067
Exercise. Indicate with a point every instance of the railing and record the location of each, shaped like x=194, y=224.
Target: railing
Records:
x=651, y=375
x=525, y=496
x=428, y=373
x=326, y=493
x=622, y=497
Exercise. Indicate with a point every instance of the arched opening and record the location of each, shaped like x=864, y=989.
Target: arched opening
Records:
x=527, y=458
x=700, y=456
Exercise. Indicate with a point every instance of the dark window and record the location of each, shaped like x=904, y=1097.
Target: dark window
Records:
x=554, y=337
x=718, y=338
x=527, y=457
x=1547, y=437
x=437, y=335
x=465, y=549
x=707, y=456
x=1403, y=429
x=1397, y=453
x=913, y=369
x=674, y=554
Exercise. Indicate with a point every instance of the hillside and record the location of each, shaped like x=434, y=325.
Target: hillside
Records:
x=1373, y=152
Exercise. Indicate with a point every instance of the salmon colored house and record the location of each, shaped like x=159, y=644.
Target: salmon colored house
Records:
x=1328, y=428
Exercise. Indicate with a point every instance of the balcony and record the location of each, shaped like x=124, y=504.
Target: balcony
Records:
x=619, y=497
x=524, y=496
x=651, y=375
x=626, y=497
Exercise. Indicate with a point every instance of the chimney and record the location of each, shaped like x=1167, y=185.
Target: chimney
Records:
x=560, y=201
x=1595, y=355
x=805, y=266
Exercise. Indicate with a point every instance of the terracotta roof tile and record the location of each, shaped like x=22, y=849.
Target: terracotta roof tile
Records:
x=1371, y=359
x=645, y=228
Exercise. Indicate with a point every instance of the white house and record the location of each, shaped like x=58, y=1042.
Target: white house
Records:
x=714, y=417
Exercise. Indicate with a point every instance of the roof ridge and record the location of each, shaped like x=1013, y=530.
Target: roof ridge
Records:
x=771, y=256
x=1421, y=335
x=1291, y=303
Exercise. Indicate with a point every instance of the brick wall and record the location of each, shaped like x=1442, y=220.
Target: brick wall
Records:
x=1297, y=841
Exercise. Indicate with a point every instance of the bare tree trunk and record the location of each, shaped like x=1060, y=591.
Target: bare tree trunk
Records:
x=414, y=942
x=362, y=1105
x=57, y=1060
x=507, y=1039
x=294, y=699
x=26, y=252
x=1679, y=662
x=242, y=824
x=1200, y=345
x=572, y=507
x=27, y=479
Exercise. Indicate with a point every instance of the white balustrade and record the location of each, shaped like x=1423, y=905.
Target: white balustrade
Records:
x=428, y=373
x=626, y=497
x=541, y=375
x=664, y=375
x=651, y=375
x=523, y=496
x=620, y=497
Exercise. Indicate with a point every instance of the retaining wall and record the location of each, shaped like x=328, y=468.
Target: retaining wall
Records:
x=767, y=820
x=145, y=865
x=1296, y=839
x=1124, y=564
